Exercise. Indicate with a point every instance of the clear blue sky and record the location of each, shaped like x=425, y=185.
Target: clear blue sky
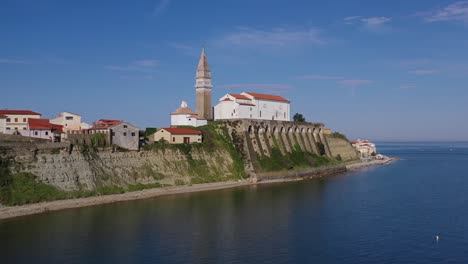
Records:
x=377, y=69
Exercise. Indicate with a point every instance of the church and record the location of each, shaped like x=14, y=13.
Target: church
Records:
x=246, y=105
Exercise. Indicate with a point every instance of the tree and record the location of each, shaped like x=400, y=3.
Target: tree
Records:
x=298, y=118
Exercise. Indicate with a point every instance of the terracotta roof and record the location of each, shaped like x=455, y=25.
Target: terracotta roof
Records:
x=183, y=111
x=268, y=97
x=226, y=100
x=105, y=124
x=240, y=96
x=182, y=131
x=18, y=112
x=43, y=124
x=2, y=116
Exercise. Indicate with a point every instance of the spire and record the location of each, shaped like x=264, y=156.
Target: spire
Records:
x=203, y=69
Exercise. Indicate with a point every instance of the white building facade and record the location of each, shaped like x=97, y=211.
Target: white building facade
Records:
x=69, y=121
x=184, y=116
x=249, y=105
x=16, y=121
x=365, y=148
x=2, y=124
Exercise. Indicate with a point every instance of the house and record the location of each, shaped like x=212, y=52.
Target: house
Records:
x=249, y=105
x=16, y=121
x=365, y=148
x=3, y=124
x=69, y=121
x=184, y=116
x=42, y=128
x=122, y=134
x=178, y=135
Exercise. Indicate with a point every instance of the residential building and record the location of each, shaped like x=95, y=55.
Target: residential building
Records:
x=42, y=128
x=249, y=105
x=184, y=116
x=203, y=88
x=122, y=134
x=3, y=124
x=69, y=121
x=17, y=120
x=178, y=135
x=365, y=148
x=327, y=131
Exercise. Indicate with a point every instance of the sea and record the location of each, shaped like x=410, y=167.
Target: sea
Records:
x=411, y=211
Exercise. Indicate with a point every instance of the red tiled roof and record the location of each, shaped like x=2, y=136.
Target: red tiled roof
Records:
x=268, y=97
x=2, y=116
x=18, y=112
x=227, y=100
x=43, y=124
x=105, y=124
x=240, y=96
x=182, y=131
x=183, y=111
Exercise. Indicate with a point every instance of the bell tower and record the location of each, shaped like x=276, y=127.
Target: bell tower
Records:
x=203, y=88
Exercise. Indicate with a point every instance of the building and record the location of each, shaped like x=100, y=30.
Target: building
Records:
x=178, y=135
x=122, y=134
x=17, y=120
x=184, y=116
x=249, y=105
x=203, y=88
x=69, y=121
x=43, y=128
x=365, y=148
x=3, y=124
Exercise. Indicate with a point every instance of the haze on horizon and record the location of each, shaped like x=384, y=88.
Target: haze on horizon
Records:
x=382, y=70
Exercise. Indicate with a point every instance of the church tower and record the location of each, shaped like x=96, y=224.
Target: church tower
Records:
x=203, y=87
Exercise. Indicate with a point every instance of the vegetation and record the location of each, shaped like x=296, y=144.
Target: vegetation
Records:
x=298, y=118
x=338, y=135
x=150, y=131
x=297, y=159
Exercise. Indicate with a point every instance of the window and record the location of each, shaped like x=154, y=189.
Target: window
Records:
x=125, y=134
x=16, y=120
x=250, y=108
x=24, y=120
x=173, y=139
x=113, y=133
x=24, y=128
x=8, y=119
x=35, y=133
x=234, y=110
x=186, y=140
x=125, y=126
x=284, y=114
x=260, y=113
x=69, y=118
x=8, y=128
x=133, y=134
x=46, y=133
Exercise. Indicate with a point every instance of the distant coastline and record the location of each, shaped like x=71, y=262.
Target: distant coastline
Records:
x=44, y=207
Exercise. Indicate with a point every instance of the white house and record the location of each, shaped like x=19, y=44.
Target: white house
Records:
x=16, y=121
x=69, y=121
x=365, y=148
x=249, y=105
x=42, y=128
x=184, y=116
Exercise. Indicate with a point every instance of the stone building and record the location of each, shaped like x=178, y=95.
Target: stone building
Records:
x=256, y=106
x=108, y=132
x=17, y=120
x=203, y=88
x=184, y=116
x=178, y=135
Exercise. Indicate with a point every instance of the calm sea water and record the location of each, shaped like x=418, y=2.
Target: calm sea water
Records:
x=388, y=214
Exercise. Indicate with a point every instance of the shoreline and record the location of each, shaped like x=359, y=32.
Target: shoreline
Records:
x=9, y=212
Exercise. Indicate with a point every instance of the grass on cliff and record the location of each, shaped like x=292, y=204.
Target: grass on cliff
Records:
x=297, y=159
x=215, y=137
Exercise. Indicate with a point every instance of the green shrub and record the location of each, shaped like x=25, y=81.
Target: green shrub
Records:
x=179, y=182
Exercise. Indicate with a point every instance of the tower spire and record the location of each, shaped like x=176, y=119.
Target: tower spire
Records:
x=203, y=87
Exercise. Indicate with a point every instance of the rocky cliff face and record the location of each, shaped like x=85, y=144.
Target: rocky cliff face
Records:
x=81, y=169
x=342, y=148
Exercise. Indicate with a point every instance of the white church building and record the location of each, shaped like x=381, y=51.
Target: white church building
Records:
x=249, y=105
x=184, y=116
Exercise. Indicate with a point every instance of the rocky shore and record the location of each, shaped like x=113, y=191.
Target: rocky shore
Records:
x=30, y=209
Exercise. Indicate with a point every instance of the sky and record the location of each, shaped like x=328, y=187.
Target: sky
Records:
x=375, y=69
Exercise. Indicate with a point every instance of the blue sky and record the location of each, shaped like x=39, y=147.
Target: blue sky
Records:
x=377, y=69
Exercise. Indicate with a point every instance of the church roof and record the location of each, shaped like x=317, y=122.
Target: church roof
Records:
x=183, y=111
x=203, y=69
x=240, y=96
x=268, y=97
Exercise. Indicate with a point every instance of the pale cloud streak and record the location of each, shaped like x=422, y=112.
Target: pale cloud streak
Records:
x=161, y=6
x=373, y=24
x=266, y=87
x=146, y=65
x=14, y=61
x=423, y=72
x=353, y=83
x=457, y=11
x=273, y=38
x=319, y=77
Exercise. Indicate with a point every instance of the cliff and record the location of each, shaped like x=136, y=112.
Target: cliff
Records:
x=230, y=151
